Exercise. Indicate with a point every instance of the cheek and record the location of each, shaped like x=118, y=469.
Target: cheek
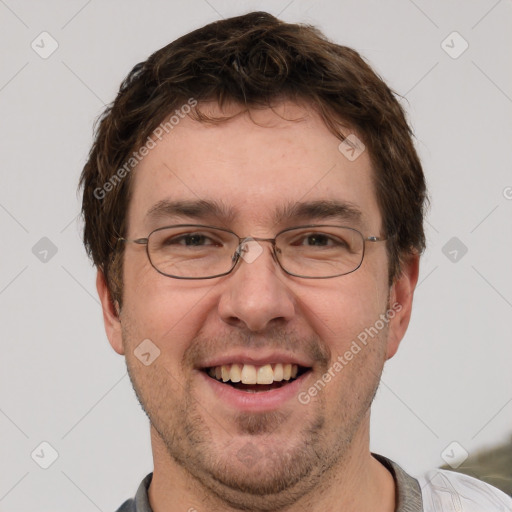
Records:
x=160, y=309
x=344, y=308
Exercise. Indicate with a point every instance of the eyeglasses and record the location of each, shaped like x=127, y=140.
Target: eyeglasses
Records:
x=194, y=251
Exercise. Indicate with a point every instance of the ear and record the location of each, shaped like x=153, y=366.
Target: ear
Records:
x=400, y=297
x=110, y=314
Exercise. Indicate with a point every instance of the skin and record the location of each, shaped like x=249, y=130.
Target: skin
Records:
x=311, y=457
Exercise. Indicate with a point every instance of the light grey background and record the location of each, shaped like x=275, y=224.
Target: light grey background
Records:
x=60, y=381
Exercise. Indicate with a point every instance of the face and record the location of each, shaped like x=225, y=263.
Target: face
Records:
x=253, y=442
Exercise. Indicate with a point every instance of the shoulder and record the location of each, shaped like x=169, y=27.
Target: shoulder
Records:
x=127, y=506
x=448, y=491
x=141, y=501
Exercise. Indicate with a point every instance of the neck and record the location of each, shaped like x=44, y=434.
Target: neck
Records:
x=358, y=483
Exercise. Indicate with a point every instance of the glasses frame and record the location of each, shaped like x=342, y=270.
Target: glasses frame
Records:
x=241, y=240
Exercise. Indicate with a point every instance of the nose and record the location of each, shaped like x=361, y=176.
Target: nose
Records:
x=256, y=295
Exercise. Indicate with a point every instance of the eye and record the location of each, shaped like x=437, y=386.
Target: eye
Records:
x=319, y=239
x=192, y=239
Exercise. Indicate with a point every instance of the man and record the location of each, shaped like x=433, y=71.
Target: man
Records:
x=254, y=205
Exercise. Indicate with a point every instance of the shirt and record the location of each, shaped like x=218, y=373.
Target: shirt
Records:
x=436, y=491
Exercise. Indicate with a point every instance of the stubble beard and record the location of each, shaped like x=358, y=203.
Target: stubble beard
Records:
x=276, y=474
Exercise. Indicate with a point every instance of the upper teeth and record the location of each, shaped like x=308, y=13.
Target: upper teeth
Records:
x=251, y=374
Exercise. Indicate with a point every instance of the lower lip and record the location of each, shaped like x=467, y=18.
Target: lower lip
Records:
x=258, y=401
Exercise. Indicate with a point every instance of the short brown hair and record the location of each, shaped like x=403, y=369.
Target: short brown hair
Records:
x=253, y=60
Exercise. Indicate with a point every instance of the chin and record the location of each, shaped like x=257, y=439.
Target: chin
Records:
x=260, y=478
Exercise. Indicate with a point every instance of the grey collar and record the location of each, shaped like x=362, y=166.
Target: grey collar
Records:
x=408, y=490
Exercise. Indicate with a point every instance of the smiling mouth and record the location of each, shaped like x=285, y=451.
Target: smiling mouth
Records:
x=254, y=379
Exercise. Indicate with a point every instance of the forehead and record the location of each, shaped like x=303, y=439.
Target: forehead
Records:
x=252, y=169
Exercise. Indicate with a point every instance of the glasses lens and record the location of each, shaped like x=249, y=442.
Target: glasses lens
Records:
x=191, y=251
x=320, y=251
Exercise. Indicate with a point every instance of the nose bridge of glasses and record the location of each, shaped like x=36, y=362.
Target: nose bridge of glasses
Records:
x=256, y=239
x=249, y=248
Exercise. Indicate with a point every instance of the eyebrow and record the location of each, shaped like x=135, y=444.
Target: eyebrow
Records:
x=202, y=209
x=320, y=209
x=196, y=209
